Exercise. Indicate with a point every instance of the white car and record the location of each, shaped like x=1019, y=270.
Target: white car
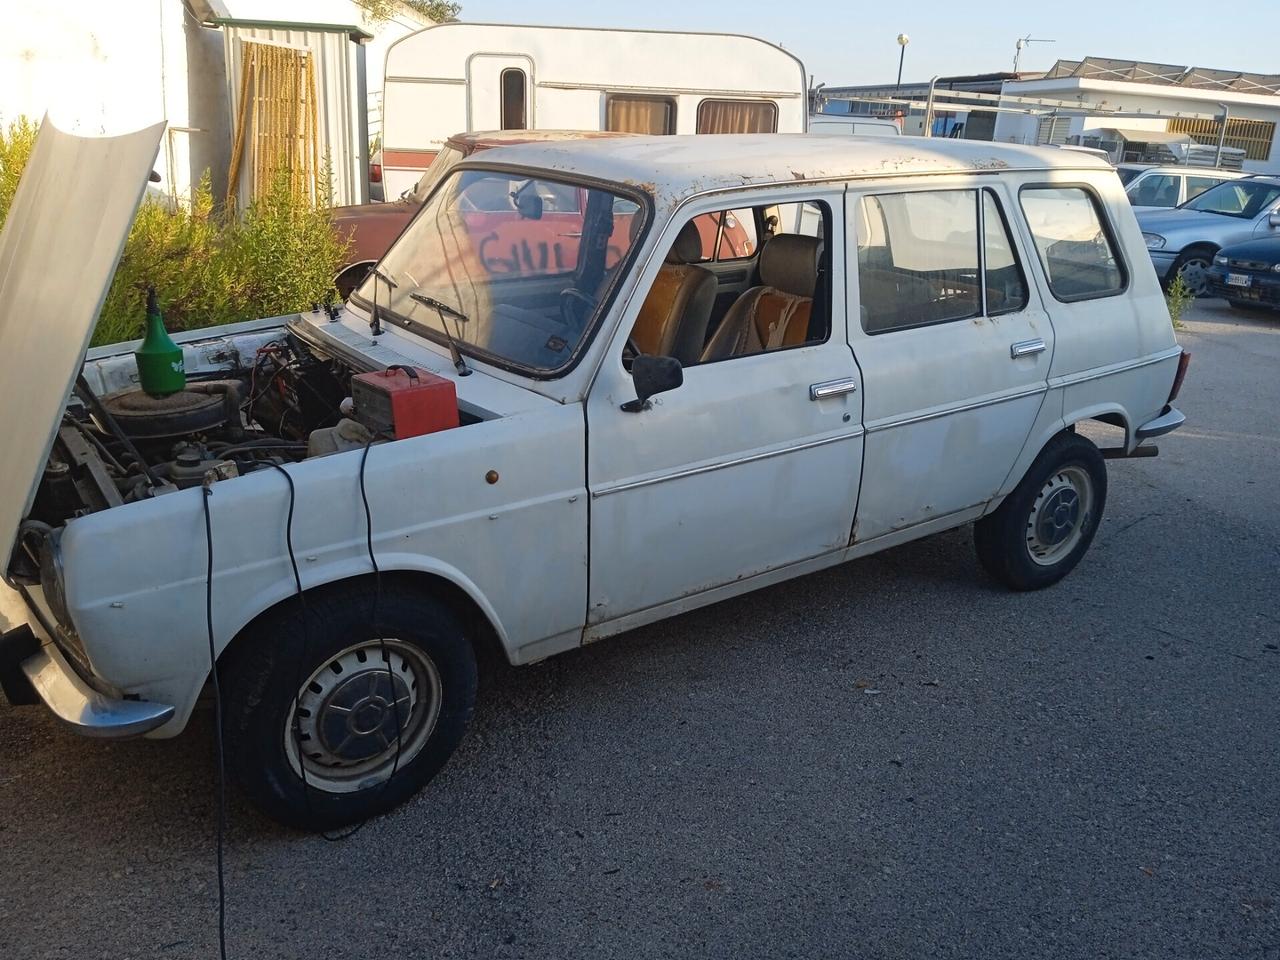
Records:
x=595, y=421
x=1155, y=188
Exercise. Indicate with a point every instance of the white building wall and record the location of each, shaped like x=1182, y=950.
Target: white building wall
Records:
x=1147, y=98
x=103, y=68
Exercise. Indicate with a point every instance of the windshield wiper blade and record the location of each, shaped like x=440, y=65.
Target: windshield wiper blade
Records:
x=444, y=310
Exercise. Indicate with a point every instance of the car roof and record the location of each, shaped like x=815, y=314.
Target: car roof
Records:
x=686, y=164
x=488, y=139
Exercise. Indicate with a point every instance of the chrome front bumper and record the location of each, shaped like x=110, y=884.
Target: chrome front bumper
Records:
x=34, y=671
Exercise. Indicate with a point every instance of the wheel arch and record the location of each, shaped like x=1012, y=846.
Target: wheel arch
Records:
x=479, y=619
x=1110, y=413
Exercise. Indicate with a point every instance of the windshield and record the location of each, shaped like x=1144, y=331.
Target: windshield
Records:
x=1244, y=199
x=526, y=261
x=445, y=161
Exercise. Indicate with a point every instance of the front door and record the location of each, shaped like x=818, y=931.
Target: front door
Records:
x=499, y=92
x=752, y=464
x=953, y=346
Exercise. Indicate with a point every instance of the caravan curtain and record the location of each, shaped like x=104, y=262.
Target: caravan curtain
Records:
x=655, y=115
x=737, y=116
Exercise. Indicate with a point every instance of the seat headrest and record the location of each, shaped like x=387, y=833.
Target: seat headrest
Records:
x=789, y=262
x=688, y=245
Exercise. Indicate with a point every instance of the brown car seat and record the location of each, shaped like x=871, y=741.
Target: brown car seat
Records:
x=673, y=318
x=776, y=313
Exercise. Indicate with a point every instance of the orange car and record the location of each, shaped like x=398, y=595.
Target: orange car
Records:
x=545, y=245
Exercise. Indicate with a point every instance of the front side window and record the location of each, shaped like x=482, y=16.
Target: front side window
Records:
x=1158, y=190
x=1078, y=256
x=1198, y=185
x=528, y=261
x=737, y=116
x=1242, y=199
x=652, y=115
x=727, y=234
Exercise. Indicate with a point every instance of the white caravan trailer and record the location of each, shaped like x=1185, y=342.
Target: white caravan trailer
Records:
x=459, y=77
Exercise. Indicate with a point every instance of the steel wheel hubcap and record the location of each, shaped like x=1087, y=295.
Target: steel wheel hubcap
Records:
x=1193, y=273
x=1060, y=515
x=362, y=714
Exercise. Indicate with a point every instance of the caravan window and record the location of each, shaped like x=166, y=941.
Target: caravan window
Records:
x=629, y=114
x=737, y=116
x=514, y=84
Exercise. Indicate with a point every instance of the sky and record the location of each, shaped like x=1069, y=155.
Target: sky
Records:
x=854, y=42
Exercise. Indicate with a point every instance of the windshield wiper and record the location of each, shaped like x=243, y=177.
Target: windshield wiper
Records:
x=459, y=317
x=375, y=321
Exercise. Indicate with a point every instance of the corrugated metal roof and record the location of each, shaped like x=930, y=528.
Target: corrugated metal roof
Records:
x=358, y=34
x=1166, y=74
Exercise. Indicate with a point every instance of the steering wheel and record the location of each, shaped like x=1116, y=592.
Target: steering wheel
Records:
x=575, y=307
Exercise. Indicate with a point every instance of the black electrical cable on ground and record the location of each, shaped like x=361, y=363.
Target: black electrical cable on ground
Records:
x=306, y=636
x=217, y=724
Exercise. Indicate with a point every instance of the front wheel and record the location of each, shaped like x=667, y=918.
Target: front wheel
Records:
x=1043, y=528
x=329, y=725
x=1193, y=267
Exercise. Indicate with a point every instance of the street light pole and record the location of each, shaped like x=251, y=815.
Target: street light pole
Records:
x=903, y=40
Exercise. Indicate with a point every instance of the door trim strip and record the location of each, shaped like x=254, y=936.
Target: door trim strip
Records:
x=737, y=461
x=1097, y=373
x=962, y=408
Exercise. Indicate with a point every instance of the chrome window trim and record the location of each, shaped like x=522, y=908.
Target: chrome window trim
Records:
x=880, y=425
x=720, y=465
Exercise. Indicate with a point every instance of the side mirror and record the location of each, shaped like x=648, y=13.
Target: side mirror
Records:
x=527, y=202
x=1274, y=219
x=652, y=375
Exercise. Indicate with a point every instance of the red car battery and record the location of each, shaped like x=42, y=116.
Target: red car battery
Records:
x=402, y=402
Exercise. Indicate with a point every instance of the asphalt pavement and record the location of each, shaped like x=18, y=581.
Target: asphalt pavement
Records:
x=894, y=758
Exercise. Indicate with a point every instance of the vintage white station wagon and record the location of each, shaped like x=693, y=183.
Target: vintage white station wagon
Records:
x=592, y=385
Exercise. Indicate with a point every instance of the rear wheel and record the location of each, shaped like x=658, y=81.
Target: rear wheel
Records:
x=1043, y=528
x=339, y=722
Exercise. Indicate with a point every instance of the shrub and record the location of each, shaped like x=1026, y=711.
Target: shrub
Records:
x=1178, y=297
x=279, y=256
x=15, y=149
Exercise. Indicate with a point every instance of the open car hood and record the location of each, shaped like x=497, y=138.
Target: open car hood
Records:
x=58, y=251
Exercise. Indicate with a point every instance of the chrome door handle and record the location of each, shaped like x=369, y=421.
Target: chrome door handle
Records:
x=832, y=388
x=1026, y=348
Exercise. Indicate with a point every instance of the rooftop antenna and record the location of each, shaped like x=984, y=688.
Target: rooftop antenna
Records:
x=1022, y=42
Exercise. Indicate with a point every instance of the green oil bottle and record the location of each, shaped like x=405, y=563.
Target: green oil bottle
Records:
x=160, y=366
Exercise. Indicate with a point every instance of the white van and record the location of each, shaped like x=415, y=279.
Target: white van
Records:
x=462, y=77
x=487, y=451
x=842, y=125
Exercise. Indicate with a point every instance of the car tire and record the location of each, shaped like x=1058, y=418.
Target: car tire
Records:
x=308, y=726
x=1042, y=529
x=1193, y=266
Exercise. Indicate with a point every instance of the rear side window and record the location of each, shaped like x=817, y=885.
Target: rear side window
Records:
x=1075, y=248
x=918, y=259
x=629, y=114
x=1158, y=190
x=1006, y=287
x=737, y=116
x=727, y=234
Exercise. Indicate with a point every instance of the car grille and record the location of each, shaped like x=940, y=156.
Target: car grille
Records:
x=1249, y=264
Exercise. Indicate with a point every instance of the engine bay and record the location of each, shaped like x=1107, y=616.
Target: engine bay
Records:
x=256, y=403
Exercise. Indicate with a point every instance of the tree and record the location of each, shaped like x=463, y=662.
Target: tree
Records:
x=437, y=10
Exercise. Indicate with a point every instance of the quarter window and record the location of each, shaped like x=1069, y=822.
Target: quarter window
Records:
x=630, y=114
x=1078, y=256
x=1003, y=281
x=737, y=116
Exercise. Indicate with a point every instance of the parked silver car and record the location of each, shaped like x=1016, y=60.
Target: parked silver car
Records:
x=1182, y=241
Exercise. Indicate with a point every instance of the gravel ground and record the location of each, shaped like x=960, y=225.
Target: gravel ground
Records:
x=894, y=758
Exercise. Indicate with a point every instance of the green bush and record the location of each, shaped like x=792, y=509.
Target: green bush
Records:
x=279, y=256
x=15, y=149
x=1178, y=297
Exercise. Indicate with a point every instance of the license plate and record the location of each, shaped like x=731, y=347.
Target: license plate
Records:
x=1238, y=279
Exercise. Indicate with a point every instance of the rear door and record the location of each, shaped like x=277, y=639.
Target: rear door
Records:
x=953, y=345
x=500, y=92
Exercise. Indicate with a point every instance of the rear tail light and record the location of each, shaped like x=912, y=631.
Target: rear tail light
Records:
x=375, y=172
x=1184, y=361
